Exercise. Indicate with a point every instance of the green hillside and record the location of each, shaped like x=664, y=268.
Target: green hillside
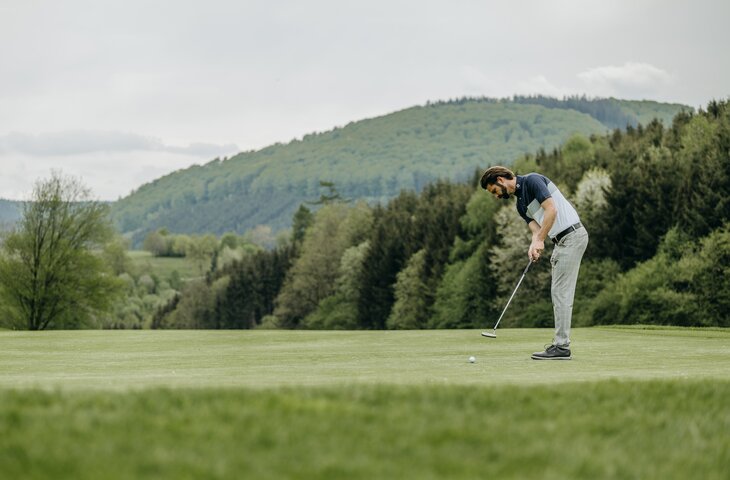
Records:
x=372, y=159
x=611, y=112
x=10, y=212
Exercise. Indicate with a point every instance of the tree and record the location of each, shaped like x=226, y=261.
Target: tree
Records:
x=391, y=232
x=577, y=157
x=640, y=203
x=332, y=196
x=712, y=282
x=465, y=296
x=115, y=255
x=410, y=309
x=156, y=243
x=312, y=278
x=255, y=281
x=705, y=171
x=51, y=274
x=230, y=240
x=262, y=236
x=200, y=250
x=339, y=311
x=194, y=308
x=179, y=245
x=590, y=201
x=303, y=219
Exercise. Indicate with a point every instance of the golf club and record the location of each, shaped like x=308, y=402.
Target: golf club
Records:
x=493, y=334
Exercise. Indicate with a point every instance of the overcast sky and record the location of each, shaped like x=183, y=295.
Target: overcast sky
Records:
x=122, y=92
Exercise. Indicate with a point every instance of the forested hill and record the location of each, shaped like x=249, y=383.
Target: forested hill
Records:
x=10, y=212
x=371, y=159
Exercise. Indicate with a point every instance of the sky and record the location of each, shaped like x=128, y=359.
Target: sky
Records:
x=120, y=93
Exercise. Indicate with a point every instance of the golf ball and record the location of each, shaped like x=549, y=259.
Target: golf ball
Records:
x=472, y=359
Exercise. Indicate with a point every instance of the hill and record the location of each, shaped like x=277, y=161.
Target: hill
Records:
x=10, y=212
x=371, y=159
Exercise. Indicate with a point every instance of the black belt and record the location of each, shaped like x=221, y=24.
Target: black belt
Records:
x=571, y=228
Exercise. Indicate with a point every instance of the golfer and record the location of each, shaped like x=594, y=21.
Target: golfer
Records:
x=548, y=214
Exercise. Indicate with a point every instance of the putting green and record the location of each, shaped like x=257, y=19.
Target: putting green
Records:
x=261, y=359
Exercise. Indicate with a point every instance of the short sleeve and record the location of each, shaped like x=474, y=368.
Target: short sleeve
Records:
x=537, y=187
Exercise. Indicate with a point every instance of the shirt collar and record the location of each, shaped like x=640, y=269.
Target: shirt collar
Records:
x=518, y=183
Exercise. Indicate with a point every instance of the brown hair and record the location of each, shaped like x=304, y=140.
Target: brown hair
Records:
x=492, y=173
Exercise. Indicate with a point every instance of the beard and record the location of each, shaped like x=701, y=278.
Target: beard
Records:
x=505, y=194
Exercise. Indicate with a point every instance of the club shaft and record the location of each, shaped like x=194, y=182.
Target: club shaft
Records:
x=513, y=294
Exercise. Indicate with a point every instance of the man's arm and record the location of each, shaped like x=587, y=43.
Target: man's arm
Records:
x=539, y=232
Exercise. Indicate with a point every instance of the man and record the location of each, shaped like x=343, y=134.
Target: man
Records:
x=548, y=214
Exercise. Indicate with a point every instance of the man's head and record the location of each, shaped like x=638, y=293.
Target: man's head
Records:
x=499, y=181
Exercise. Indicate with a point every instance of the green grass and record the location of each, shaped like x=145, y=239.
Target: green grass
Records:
x=264, y=358
x=634, y=403
x=145, y=262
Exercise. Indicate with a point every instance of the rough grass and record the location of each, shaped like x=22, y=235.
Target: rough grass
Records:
x=634, y=403
x=657, y=429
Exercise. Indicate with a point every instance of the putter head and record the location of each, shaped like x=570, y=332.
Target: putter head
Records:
x=489, y=334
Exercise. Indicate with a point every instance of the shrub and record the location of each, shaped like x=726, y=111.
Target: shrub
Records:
x=692, y=290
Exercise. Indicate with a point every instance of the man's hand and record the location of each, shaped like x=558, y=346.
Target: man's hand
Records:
x=536, y=248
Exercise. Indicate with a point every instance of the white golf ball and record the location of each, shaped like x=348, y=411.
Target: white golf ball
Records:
x=472, y=359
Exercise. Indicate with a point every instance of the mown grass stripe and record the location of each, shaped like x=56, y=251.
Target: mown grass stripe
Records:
x=123, y=360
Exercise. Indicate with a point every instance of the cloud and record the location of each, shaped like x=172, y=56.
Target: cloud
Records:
x=79, y=142
x=475, y=80
x=200, y=149
x=540, y=85
x=630, y=79
x=109, y=175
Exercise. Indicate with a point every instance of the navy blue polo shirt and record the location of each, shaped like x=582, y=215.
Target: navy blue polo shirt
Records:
x=533, y=189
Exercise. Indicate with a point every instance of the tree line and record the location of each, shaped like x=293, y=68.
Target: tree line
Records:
x=654, y=199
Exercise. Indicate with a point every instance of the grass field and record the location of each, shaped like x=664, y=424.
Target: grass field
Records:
x=634, y=403
x=145, y=262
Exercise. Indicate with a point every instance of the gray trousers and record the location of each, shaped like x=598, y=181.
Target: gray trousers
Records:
x=565, y=261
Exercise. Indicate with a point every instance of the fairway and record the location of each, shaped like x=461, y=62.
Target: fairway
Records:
x=633, y=403
x=196, y=359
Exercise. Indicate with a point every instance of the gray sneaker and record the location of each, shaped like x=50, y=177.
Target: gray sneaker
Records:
x=553, y=352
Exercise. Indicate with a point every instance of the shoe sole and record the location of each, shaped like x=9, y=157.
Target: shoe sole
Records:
x=551, y=358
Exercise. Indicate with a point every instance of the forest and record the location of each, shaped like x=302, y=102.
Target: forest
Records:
x=655, y=200
x=371, y=160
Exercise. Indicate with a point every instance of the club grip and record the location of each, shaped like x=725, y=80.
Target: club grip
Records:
x=529, y=262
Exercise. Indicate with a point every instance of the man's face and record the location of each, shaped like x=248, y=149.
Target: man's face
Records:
x=498, y=189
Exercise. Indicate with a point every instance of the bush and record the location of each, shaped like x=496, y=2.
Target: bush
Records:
x=712, y=281
x=146, y=284
x=269, y=322
x=333, y=313
x=535, y=315
x=692, y=290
